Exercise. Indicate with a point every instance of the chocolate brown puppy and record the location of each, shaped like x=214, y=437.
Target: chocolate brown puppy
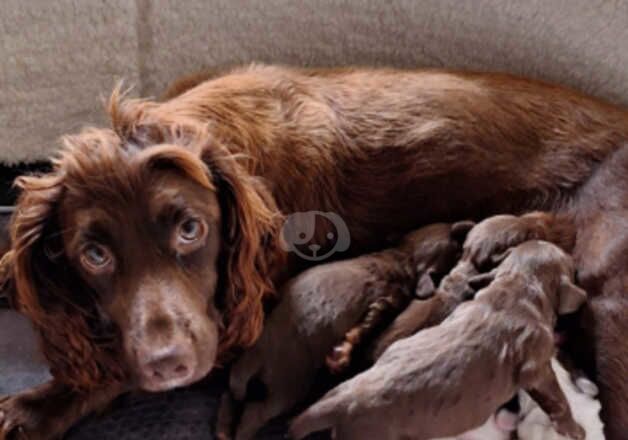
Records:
x=484, y=245
x=420, y=313
x=436, y=305
x=428, y=385
x=320, y=305
x=456, y=287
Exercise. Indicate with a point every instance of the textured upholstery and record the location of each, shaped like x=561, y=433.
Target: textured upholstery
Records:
x=59, y=58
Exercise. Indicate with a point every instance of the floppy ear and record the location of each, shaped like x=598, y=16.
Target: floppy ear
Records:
x=570, y=296
x=251, y=248
x=482, y=280
x=52, y=296
x=460, y=230
x=497, y=259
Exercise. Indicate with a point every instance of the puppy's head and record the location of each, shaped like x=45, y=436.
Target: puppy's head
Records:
x=552, y=267
x=141, y=262
x=435, y=249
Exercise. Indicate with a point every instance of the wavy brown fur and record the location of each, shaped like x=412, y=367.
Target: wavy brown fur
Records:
x=45, y=296
x=69, y=341
x=387, y=150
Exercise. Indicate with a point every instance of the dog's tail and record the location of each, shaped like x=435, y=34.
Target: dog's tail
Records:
x=322, y=415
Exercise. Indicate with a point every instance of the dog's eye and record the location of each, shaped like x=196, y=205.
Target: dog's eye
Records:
x=96, y=257
x=191, y=230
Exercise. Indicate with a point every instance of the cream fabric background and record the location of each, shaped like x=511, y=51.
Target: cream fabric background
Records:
x=58, y=58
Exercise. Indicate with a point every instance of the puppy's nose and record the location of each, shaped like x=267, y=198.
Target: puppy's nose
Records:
x=168, y=364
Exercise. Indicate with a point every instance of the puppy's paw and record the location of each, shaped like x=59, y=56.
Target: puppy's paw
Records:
x=340, y=358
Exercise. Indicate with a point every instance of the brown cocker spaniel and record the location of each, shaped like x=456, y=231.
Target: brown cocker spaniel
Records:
x=144, y=258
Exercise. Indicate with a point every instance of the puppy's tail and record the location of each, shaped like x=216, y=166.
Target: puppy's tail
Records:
x=322, y=415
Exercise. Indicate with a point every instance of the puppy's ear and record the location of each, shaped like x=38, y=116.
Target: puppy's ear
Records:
x=497, y=259
x=570, y=296
x=482, y=280
x=426, y=285
x=459, y=230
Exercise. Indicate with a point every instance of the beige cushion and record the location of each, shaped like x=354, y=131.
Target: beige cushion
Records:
x=59, y=58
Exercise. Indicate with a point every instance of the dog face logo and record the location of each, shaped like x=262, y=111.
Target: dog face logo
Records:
x=315, y=235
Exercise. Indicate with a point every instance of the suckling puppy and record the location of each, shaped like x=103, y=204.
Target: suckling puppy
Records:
x=422, y=312
x=485, y=242
x=321, y=304
x=450, y=378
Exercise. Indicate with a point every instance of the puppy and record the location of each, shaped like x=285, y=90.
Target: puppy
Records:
x=420, y=313
x=450, y=378
x=321, y=304
x=458, y=286
x=431, y=310
x=485, y=242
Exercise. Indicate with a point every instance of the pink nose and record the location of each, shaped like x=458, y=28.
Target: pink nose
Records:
x=168, y=364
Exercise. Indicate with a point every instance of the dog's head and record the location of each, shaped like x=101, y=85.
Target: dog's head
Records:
x=552, y=267
x=143, y=261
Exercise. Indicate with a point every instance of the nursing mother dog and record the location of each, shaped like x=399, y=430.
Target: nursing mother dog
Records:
x=145, y=256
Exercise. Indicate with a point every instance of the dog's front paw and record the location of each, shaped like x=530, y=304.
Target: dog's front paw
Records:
x=18, y=421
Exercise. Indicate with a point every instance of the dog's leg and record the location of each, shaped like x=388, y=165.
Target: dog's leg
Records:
x=380, y=313
x=545, y=390
x=420, y=314
x=49, y=410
